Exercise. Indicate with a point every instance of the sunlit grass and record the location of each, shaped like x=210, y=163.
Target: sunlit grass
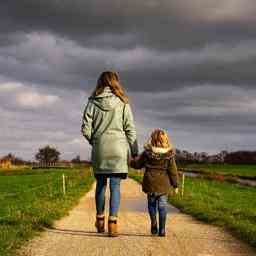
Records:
x=31, y=200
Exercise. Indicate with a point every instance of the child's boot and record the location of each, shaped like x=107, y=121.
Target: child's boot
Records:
x=154, y=229
x=161, y=232
x=112, y=226
x=100, y=223
x=162, y=220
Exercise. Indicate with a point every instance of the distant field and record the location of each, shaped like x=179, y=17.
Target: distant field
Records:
x=225, y=169
x=228, y=205
x=31, y=200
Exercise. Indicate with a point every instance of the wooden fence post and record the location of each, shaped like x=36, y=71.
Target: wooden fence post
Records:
x=91, y=171
x=182, y=184
x=64, y=184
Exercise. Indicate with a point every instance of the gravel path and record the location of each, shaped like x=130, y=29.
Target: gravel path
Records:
x=75, y=234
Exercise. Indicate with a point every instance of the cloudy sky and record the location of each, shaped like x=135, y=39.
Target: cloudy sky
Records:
x=188, y=67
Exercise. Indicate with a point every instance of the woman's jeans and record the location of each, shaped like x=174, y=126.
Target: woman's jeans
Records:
x=157, y=202
x=114, y=201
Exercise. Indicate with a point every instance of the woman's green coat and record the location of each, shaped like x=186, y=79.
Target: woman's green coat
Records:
x=108, y=125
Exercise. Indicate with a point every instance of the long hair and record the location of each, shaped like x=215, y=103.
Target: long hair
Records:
x=110, y=79
x=159, y=138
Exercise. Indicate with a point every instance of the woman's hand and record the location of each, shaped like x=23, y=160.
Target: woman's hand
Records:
x=130, y=161
x=176, y=191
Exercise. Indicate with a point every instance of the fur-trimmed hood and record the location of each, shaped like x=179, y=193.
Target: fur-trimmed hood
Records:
x=158, y=152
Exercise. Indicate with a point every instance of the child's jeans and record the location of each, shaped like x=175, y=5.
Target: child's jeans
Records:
x=158, y=202
x=114, y=201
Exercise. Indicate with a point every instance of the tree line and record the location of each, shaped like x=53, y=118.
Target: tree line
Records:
x=241, y=157
x=49, y=155
x=235, y=157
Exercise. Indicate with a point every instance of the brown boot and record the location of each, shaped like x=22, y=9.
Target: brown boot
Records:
x=112, y=226
x=100, y=223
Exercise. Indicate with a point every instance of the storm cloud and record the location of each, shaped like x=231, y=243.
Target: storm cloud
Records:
x=187, y=67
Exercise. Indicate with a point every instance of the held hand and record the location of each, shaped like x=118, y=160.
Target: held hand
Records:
x=130, y=160
x=176, y=191
x=134, y=156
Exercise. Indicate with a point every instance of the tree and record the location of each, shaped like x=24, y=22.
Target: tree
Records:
x=13, y=159
x=47, y=155
x=10, y=157
x=76, y=160
x=240, y=157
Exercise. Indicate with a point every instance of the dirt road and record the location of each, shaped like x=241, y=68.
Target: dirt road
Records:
x=75, y=234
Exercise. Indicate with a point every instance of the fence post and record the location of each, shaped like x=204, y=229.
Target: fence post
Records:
x=64, y=184
x=182, y=184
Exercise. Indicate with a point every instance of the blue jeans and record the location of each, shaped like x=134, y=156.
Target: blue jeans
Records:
x=158, y=202
x=114, y=201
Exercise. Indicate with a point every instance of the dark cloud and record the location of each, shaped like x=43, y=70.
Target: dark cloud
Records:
x=47, y=59
x=241, y=74
x=153, y=24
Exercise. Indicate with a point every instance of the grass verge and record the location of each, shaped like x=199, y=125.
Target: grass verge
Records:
x=32, y=200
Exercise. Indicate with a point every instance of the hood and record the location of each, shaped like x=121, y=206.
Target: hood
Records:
x=106, y=101
x=158, y=152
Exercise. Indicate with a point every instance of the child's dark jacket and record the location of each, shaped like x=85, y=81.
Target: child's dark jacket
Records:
x=160, y=170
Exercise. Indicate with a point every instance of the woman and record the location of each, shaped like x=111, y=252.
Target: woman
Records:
x=108, y=125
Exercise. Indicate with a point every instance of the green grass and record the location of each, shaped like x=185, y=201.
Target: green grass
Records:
x=31, y=200
x=227, y=205
x=136, y=175
x=248, y=171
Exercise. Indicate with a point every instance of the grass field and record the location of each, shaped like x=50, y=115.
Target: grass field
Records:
x=227, y=205
x=248, y=171
x=31, y=200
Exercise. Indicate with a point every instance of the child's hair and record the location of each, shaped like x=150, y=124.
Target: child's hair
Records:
x=110, y=79
x=159, y=138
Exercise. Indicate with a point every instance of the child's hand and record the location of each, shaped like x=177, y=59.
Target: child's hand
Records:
x=131, y=161
x=135, y=158
x=176, y=191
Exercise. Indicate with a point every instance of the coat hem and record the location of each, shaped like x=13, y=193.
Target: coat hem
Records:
x=104, y=171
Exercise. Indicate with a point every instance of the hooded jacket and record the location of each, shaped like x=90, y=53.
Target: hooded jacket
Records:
x=109, y=127
x=160, y=169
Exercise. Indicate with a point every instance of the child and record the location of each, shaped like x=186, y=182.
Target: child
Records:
x=160, y=174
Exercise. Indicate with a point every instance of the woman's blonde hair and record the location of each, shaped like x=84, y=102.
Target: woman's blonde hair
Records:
x=159, y=138
x=110, y=79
